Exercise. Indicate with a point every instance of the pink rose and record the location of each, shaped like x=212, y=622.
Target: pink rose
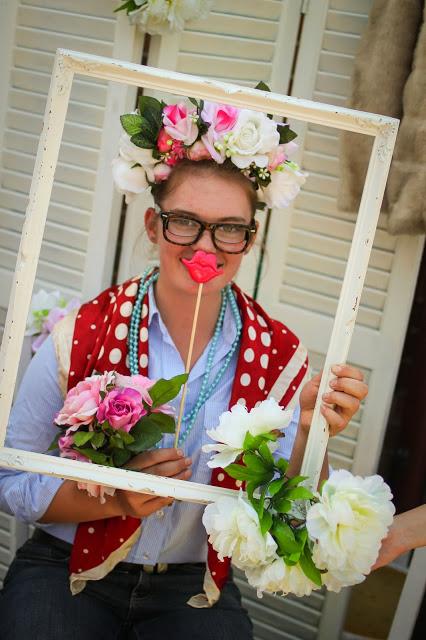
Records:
x=179, y=122
x=198, y=151
x=222, y=119
x=276, y=157
x=81, y=403
x=164, y=141
x=65, y=444
x=122, y=408
x=161, y=172
x=139, y=383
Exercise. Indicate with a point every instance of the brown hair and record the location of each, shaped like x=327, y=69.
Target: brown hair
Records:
x=226, y=170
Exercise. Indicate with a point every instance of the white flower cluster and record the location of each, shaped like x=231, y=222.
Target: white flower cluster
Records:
x=167, y=16
x=234, y=425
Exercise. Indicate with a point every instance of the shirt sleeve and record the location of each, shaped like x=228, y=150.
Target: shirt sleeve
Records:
x=24, y=494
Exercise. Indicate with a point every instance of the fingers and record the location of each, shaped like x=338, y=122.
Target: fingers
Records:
x=154, y=457
x=169, y=469
x=356, y=388
x=346, y=370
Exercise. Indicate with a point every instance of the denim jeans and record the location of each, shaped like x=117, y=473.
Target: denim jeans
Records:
x=36, y=603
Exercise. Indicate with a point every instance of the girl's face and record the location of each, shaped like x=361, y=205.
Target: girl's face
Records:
x=208, y=198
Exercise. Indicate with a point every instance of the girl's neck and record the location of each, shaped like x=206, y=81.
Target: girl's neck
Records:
x=177, y=312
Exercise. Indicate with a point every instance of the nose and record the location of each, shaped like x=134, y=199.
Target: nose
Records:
x=205, y=242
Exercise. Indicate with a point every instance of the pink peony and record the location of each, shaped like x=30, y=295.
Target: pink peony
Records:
x=276, y=157
x=81, y=403
x=122, y=408
x=222, y=118
x=198, y=151
x=161, y=172
x=179, y=123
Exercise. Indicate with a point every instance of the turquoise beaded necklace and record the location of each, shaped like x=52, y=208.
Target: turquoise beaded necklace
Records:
x=207, y=386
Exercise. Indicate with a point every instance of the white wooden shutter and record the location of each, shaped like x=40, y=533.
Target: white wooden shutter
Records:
x=79, y=241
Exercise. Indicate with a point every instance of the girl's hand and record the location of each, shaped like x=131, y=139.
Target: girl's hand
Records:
x=340, y=404
x=169, y=463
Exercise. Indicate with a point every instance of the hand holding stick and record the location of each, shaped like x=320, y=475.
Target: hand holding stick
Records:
x=202, y=268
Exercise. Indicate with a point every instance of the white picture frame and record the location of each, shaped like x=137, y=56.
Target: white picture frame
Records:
x=67, y=63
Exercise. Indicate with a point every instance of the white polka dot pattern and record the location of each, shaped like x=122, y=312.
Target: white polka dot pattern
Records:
x=115, y=356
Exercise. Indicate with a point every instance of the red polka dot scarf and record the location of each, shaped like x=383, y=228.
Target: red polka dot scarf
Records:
x=271, y=362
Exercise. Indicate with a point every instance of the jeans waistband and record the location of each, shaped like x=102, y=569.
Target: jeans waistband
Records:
x=161, y=567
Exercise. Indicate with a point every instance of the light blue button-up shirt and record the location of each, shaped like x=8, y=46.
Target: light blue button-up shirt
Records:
x=175, y=534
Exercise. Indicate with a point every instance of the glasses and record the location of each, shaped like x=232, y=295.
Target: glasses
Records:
x=228, y=237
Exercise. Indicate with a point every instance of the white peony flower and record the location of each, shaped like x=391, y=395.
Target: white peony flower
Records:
x=234, y=531
x=233, y=427
x=41, y=303
x=130, y=152
x=164, y=16
x=347, y=526
x=252, y=138
x=284, y=186
x=277, y=577
x=128, y=179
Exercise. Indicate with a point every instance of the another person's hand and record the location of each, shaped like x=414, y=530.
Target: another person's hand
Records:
x=170, y=463
x=408, y=531
x=339, y=405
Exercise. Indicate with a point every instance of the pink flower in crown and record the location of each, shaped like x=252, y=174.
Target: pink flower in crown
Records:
x=122, y=408
x=161, y=172
x=177, y=153
x=198, y=151
x=276, y=157
x=222, y=118
x=179, y=123
x=81, y=403
x=164, y=141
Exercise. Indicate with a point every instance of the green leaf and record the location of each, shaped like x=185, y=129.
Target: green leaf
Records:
x=151, y=109
x=131, y=123
x=165, y=390
x=308, y=567
x=127, y=438
x=286, y=134
x=284, y=537
x=95, y=456
x=141, y=141
x=262, y=86
x=275, y=486
x=146, y=434
x=282, y=464
x=120, y=457
x=299, y=493
x=282, y=505
x=266, y=454
x=116, y=442
x=250, y=488
x=164, y=422
x=98, y=440
x=193, y=101
x=127, y=6
x=239, y=472
x=54, y=443
x=302, y=535
x=292, y=558
x=294, y=481
x=262, y=501
x=255, y=463
x=265, y=522
x=81, y=437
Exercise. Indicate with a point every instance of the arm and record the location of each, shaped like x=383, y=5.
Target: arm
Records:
x=407, y=532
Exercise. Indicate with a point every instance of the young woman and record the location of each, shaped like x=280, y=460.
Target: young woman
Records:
x=203, y=205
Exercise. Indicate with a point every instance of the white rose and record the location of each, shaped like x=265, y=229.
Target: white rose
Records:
x=277, y=577
x=130, y=152
x=252, y=138
x=233, y=528
x=233, y=427
x=128, y=180
x=284, y=186
x=347, y=526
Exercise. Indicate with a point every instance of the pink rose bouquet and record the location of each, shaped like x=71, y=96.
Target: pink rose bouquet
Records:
x=109, y=418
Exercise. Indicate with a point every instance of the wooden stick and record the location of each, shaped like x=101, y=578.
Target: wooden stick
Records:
x=188, y=362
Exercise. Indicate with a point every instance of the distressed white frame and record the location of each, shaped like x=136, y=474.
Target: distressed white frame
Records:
x=67, y=63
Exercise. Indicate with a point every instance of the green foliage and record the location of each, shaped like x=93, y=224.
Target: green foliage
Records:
x=286, y=134
x=81, y=437
x=308, y=567
x=131, y=123
x=128, y=6
x=165, y=390
x=95, y=456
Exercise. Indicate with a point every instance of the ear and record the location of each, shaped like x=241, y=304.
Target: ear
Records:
x=151, y=224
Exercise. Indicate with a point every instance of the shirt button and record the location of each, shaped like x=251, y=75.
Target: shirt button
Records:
x=160, y=514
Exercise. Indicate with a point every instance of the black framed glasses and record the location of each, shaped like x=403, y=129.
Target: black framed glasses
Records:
x=229, y=237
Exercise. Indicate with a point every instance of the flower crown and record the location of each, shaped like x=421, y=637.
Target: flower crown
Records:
x=158, y=136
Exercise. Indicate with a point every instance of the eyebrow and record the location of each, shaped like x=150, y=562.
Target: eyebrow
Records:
x=192, y=214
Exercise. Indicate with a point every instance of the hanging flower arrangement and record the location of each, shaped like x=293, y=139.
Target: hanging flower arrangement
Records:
x=46, y=309
x=164, y=16
x=284, y=537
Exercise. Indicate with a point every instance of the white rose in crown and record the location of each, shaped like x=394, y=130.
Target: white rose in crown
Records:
x=252, y=138
x=130, y=152
x=234, y=425
x=284, y=186
x=233, y=528
x=129, y=180
x=347, y=525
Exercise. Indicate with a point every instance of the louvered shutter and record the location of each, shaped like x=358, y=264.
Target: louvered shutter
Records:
x=75, y=258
